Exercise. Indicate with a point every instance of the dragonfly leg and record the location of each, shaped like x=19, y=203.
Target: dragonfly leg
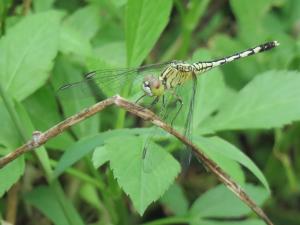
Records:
x=140, y=98
x=177, y=99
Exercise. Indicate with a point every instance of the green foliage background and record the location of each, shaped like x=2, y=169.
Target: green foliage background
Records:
x=246, y=112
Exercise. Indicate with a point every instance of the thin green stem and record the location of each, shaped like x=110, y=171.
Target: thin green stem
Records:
x=285, y=161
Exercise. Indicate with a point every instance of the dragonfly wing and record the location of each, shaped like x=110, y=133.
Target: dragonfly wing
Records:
x=111, y=81
x=187, y=155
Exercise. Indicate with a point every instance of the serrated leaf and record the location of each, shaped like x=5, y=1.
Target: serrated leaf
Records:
x=263, y=104
x=145, y=20
x=142, y=186
x=84, y=146
x=220, y=202
x=215, y=146
x=24, y=63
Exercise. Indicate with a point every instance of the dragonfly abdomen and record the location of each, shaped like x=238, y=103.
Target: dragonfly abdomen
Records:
x=201, y=67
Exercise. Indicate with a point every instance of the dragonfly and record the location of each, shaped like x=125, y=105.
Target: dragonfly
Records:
x=158, y=79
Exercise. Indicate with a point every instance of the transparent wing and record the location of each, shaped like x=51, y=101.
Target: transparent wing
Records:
x=111, y=81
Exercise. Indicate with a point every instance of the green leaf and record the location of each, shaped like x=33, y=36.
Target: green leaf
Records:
x=100, y=156
x=9, y=135
x=249, y=16
x=85, y=20
x=215, y=146
x=84, y=146
x=220, y=202
x=263, y=104
x=42, y=5
x=50, y=204
x=142, y=186
x=145, y=20
x=71, y=41
x=24, y=63
x=10, y=174
x=175, y=200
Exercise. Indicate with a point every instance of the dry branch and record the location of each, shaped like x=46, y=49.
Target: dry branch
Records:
x=40, y=138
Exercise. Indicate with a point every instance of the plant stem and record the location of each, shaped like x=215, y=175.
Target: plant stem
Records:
x=147, y=115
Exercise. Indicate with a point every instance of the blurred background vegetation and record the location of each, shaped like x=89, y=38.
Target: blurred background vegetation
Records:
x=46, y=43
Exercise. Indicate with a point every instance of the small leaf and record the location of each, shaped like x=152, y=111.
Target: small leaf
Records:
x=24, y=63
x=145, y=20
x=142, y=186
x=263, y=104
x=220, y=202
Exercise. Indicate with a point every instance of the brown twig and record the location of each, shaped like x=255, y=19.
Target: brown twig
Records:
x=40, y=138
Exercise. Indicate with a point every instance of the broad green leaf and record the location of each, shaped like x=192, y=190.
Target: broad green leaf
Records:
x=72, y=41
x=10, y=174
x=217, y=147
x=9, y=140
x=145, y=20
x=85, y=20
x=143, y=186
x=175, y=200
x=262, y=104
x=220, y=202
x=50, y=204
x=84, y=146
x=9, y=136
x=24, y=63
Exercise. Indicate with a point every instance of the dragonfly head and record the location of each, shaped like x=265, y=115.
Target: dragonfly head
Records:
x=152, y=86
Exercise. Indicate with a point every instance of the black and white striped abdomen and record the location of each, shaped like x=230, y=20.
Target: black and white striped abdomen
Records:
x=205, y=66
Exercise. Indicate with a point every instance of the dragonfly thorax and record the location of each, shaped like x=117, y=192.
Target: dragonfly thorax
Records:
x=152, y=86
